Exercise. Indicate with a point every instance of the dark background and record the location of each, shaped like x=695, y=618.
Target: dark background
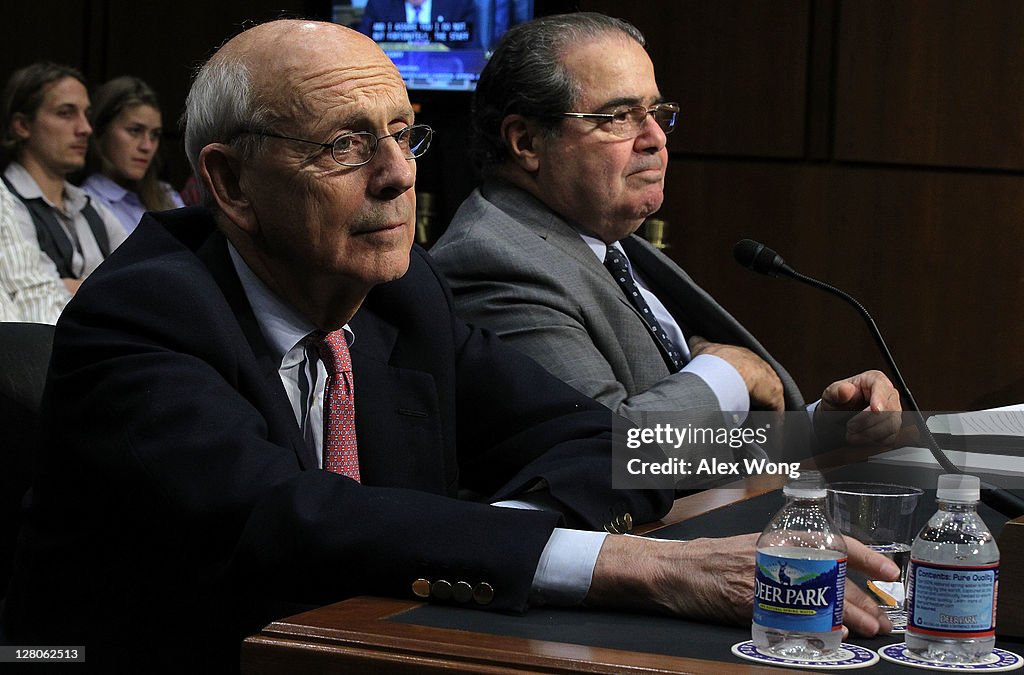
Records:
x=877, y=144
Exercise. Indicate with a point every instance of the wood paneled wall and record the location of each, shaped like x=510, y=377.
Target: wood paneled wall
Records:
x=877, y=145
x=160, y=42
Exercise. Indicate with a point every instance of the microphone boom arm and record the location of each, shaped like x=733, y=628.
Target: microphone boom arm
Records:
x=761, y=259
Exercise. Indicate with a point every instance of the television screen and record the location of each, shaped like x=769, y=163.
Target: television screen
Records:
x=439, y=45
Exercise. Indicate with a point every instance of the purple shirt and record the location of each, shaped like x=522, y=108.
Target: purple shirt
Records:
x=124, y=203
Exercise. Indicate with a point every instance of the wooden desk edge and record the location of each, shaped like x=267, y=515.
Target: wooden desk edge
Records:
x=356, y=633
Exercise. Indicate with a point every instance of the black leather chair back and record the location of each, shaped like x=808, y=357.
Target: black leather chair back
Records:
x=24, y=359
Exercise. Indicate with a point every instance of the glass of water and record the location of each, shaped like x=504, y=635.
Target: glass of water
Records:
x=881, y=516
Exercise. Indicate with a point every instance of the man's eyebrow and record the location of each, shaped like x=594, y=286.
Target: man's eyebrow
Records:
x=361, y=121
x=627, y=101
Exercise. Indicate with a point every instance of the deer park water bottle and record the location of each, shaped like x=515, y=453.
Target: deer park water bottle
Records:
x=800, y=576
x=953, y=579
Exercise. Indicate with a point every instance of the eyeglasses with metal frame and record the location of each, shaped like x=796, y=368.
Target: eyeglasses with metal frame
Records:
x=629, y=122
x=356, y=148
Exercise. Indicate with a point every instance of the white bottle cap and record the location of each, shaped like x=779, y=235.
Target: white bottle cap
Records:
x=958, y=487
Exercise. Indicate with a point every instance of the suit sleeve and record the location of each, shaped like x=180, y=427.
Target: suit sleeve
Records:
x=535, y=309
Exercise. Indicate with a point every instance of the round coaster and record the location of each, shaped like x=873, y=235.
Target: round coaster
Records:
x=847, y=656
x=998, y=661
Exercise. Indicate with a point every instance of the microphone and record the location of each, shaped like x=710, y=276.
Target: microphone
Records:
x=763, y=260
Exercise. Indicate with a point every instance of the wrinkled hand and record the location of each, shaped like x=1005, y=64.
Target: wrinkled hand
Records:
x=873, y=404
x=861, y=612
x=762, y=381
x=708, y=579
x=713, y=579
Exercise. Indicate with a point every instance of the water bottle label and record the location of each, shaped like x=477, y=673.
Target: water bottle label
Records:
x=799, y=595
x=952, y=601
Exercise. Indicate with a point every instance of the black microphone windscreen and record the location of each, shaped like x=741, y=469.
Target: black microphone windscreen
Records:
x=758, y=257
x=745, y=251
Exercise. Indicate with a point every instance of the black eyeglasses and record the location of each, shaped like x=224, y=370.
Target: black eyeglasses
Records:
x=629, y=122
x=356, y=148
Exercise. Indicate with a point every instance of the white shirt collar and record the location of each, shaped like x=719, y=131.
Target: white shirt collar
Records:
x=75, y=198
x=599, y=248
x=281, y=325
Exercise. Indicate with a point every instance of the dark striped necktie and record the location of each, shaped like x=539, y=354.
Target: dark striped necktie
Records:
x=617, y=263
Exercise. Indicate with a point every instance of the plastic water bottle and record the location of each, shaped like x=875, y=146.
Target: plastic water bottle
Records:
x=953, y=578
x=800, y=578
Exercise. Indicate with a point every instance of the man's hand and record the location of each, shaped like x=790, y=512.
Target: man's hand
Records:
x=763, y=382
x=861, y=613
x=713, y=579
x=873, y=405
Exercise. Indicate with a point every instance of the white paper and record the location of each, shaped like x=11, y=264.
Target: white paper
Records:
x=970, y=462
x=1005, y=421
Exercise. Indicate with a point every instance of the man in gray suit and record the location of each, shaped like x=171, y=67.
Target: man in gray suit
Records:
x=570, y=129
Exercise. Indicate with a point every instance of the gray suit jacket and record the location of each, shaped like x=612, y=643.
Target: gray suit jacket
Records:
x=518, y=268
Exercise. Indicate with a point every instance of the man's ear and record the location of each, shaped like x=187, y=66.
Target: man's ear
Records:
x=219, y=168
x=523, y=140
x=19, y=126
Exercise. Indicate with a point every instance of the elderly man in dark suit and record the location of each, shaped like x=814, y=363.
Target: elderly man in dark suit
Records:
x=272, y=404
x=570, y=128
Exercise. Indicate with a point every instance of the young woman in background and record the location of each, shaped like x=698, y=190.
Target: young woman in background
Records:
x=122, y=163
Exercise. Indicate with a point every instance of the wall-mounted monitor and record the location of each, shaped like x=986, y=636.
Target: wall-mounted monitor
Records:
x=438, y=45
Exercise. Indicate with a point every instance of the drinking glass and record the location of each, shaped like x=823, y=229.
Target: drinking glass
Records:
x=881, y=516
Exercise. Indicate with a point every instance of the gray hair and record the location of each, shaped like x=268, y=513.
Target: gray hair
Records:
x=526, y=76
x=221, y=106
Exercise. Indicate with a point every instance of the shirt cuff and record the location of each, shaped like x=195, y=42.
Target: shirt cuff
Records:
x=726, y=384
x=566, y=567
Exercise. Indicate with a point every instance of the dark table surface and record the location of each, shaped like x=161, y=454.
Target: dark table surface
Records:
x=659, y=634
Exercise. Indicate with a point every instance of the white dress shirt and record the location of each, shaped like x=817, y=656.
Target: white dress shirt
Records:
x=30, y=288
x=567, y=562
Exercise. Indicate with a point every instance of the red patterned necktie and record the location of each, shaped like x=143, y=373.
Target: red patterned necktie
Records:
x=339, y=419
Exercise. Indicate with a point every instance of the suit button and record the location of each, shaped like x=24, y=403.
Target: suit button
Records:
x=627, y=521
x=483, y=593
x=462, y=592
x=421, y=588
x=441, y=589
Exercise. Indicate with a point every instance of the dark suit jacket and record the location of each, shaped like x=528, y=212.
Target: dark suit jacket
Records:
x=177, y=490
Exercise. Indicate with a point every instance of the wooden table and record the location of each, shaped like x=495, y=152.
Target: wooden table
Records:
x=356, y=635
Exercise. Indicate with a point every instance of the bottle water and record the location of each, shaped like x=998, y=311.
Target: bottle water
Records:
x=952, y=579
x=800, y=576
